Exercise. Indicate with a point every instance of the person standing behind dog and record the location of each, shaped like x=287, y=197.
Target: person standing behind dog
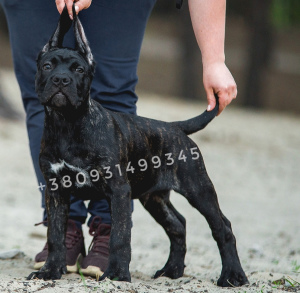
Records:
x=115, y=30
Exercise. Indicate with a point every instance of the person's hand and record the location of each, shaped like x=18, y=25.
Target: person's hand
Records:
x=217, y=79
x=79, y=5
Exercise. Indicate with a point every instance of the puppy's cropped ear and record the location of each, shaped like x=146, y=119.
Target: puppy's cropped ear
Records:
x=82, y=44
x=63, y=26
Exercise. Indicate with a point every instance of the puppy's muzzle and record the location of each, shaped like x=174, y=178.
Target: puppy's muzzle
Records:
x=60, y=81
x=59, y=100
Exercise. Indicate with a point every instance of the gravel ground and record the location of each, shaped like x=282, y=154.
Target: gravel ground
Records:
x=253, y=159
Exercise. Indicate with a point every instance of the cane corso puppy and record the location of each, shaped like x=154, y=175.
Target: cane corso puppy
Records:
x=94, y=153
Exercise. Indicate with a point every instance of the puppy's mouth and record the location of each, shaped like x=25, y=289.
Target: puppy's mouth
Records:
x=58, y=100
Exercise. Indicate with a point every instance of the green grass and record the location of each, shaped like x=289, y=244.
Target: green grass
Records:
x=282, y=281
x=81, y=276
x=275, y=261
x=103, y=285
x=295, y=267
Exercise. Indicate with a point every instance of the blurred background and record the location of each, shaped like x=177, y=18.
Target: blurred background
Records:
x=262, y=52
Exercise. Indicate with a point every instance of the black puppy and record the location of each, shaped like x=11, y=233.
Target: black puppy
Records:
x=91, y=152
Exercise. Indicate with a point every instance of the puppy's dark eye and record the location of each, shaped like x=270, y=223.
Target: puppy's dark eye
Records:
x=47, y=66
x=79, y=70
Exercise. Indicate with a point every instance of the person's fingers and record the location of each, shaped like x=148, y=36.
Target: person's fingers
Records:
x=82, y=4
x=226, y=95
x=79, y=5
x=60, y=4
x=235, y=93
x=77, y=9
x=223, y=102
x=210, y=99
x=232, y=92
x=69, y=4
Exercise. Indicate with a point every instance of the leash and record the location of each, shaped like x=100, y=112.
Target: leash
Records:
x=179, y=3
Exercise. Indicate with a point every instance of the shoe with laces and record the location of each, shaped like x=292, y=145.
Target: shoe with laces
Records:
x=75, y=249
x=95, y=263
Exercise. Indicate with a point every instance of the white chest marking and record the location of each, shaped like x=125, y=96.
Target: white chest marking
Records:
x=57, y=167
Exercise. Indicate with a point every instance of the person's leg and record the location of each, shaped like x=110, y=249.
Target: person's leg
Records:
x=31, y=23
x=27, y=37
x=115, y=31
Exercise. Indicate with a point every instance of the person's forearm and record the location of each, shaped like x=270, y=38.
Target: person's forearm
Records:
x=208, y=19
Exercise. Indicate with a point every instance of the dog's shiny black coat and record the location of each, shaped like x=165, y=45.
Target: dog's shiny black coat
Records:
x=81, y=137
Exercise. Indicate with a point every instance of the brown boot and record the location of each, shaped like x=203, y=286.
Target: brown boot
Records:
x=75, y=248
x=95, y=263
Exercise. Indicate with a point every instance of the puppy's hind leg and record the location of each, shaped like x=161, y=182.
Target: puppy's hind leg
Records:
x=201, y=194
x=161, y=209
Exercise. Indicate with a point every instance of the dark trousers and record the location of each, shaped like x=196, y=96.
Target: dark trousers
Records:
x=115, y=30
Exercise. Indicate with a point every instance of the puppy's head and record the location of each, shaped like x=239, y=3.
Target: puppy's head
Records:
x=64, y=75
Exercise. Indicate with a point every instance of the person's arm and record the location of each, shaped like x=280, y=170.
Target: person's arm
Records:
x=208, y=19
x=79, y=5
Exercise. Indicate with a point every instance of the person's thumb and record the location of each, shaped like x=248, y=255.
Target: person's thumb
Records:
x=211, y=100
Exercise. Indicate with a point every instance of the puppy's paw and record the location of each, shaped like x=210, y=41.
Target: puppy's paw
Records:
x=173, y=272
x=232, y=279
x=48, y=273
x=116, y=276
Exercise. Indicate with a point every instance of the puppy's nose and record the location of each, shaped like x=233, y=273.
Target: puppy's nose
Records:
x=61, y=80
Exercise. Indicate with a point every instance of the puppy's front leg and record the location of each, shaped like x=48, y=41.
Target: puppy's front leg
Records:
x=57, y=212
x=120, y=237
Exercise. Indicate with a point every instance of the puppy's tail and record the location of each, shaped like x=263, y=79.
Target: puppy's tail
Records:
x=197, y=123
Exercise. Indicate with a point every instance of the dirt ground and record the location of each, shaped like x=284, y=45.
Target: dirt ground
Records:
x=253, y=159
